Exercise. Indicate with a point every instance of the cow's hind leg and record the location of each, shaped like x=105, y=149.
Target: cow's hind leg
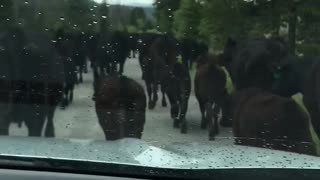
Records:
x=155, y=95
x=204, y=121
x=174, y=110
x=163, y=90
x=49, y=131
x=212, y=111
x=4, y=119
x=183, y=112
x=35, y=118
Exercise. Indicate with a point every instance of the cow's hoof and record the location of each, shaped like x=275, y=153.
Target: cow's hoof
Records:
x=164, y=104
x=184, y=129
x=203, y=126
x=211, y=138
x=152, y=105
x=176, y=124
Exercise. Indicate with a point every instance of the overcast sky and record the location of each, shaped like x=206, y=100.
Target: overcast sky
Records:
x=129, y=2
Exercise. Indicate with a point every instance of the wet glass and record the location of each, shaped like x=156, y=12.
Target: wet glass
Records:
x=162, y=83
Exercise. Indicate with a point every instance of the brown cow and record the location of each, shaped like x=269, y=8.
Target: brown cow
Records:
x=210, y=90
x=120, y=107
x=266, y=120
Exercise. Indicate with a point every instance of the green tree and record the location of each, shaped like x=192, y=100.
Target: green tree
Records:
x=137, y=14
x=187, y=19
x=79, y=15
x=104, y=17
x=6, y=12
x=164, y=11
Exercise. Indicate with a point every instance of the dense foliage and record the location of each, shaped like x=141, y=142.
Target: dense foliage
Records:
x=214, y=21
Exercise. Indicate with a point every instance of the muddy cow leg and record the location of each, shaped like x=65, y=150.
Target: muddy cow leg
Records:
x=142, y=66
x=4, y=119
x=85, y=66
x=35, y=120
x=80, y=74
x=213, y=120
x=204, y=122
x=226, y=118
x=209, y=116
x=71, y=93
x=149, y=91
x=121, y=68
x=163, y=90
x=64, y=103
x=174, y=109
x=49, y=131
x=183, y=112
x=155, y=87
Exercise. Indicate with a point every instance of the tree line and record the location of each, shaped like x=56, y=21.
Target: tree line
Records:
x=73, y=15
x=213, y=21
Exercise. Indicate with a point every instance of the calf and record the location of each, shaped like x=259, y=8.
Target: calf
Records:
x=210, y=90
x=263, y=119
x=120, y=107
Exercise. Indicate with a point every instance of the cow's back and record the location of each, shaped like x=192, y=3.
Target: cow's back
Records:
x=266, y=120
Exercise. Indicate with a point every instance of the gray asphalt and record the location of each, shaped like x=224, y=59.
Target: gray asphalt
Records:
x=79, y=121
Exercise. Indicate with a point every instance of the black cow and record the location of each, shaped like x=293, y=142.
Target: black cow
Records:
x=211, y=93
x=177, y=85
x=160, y=61
x=266, y=120
x=301, y=75
x=251, y=63
x=34, y=82
x=120, y=106
x=80, y=54
x=65, y=48
x=144, y=43
x=113, y=49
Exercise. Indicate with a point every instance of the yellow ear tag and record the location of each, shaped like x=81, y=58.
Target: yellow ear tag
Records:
x=179, y=59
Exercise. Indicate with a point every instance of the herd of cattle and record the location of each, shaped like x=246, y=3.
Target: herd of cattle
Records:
x=39, y=70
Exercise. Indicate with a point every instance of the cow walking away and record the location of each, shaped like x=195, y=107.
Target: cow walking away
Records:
x=113, y=50
x=301, y=75
x=65, y=48
x=34, y=85
x=120, y=106
x=161, y=59
x=211, y=93
x=262, y=119
x=144, y=42
x=80, y=55
x=177, y=85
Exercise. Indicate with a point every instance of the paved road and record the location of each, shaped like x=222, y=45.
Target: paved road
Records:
x=79, y=120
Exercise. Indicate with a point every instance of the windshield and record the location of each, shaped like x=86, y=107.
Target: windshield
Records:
x=162, y=83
